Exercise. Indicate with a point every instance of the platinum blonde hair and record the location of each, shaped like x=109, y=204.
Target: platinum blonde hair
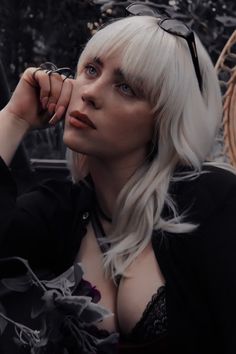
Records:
x=186, y=122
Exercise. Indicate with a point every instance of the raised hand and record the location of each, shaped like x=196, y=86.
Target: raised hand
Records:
x=41, y=97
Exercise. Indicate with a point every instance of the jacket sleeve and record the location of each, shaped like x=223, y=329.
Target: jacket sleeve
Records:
x=217, y=252
x=200, y=267
x=33, y=226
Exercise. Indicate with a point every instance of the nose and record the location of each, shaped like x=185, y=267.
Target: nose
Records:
x=91, y=94
x=89, y=99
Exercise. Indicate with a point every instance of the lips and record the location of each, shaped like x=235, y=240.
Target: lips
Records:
x=83, y=118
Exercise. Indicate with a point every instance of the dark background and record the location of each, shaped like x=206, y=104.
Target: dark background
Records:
x=32, y=32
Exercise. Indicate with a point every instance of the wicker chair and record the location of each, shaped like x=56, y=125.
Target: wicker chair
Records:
x=226, y=69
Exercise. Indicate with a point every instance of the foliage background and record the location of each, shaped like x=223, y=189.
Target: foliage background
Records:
x=32, y=32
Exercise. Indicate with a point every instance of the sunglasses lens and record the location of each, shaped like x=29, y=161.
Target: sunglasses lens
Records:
x=175, y=27
x=141, y=10
x=172, y=26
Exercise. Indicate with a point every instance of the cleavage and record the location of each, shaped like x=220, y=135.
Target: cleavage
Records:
x=129, y=300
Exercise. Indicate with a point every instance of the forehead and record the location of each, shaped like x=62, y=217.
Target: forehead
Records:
x=112, y=62
x=102, y=60
x=115, y=64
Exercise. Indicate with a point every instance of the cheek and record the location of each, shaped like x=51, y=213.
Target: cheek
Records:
x=140, y=122
x=144, y=131
x=131, y=127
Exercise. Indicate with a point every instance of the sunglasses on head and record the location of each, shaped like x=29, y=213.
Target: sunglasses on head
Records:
x=172, y=26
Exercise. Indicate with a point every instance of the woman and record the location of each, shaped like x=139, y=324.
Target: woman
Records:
x=151, y=223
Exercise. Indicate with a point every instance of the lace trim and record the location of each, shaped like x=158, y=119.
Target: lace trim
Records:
x=153, y=322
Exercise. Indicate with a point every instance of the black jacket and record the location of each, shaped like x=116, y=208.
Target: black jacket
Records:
x=46, y=226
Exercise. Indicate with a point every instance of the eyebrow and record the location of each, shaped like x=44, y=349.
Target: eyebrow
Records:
x=118, y=73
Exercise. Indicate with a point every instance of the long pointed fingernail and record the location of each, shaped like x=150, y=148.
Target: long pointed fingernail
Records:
x=60, y=111
x=53, y=119
x=57, y=115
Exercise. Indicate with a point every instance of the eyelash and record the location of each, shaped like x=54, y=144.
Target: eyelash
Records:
x=131, y=91
x=90, y=66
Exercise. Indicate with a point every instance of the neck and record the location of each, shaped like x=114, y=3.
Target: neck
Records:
x=109, y=178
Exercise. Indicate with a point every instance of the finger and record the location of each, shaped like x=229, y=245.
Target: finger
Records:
x=34, y=73
x=42, y=80
x=56, y=84
x=63, y=101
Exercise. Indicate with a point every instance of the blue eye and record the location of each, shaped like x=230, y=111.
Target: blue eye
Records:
x=126, y=89
x=90, y=70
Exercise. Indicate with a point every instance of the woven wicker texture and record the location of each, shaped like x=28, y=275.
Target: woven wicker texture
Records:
x=226, y=69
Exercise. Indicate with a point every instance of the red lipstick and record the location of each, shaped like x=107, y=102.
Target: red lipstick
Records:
x=80, y=120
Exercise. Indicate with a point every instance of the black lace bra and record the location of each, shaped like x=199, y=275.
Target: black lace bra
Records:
x=153, y=323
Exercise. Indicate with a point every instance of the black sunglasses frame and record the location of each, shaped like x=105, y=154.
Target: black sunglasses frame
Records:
x=172, y=26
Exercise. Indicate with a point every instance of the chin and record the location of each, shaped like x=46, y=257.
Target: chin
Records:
x=71, y=142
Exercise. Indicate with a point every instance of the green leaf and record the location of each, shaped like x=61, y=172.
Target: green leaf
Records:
x=19, y=284
x=78, y=273
x=227, y=21
x=68, y=274
x=61, y=283
x=107, y=344
x=3, y=322
x=94, y=313
x=75, y=304
x=37, y=309
x=27, y=266
x=17, y=259
x=49, y=298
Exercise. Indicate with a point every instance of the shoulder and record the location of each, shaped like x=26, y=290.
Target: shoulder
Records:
x=213, y=188
x=212, y=175
x=216, y=183
x=62, y=193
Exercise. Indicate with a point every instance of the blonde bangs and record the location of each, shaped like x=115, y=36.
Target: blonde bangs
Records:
x=127, y=38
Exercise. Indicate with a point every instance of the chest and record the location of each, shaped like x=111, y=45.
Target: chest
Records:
x=128, y=300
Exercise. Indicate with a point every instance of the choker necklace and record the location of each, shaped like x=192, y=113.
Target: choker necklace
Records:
x=102, y=214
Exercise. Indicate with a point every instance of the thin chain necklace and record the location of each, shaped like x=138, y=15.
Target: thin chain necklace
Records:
x=103, y=215
x=101, y=235
x=99, y=231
